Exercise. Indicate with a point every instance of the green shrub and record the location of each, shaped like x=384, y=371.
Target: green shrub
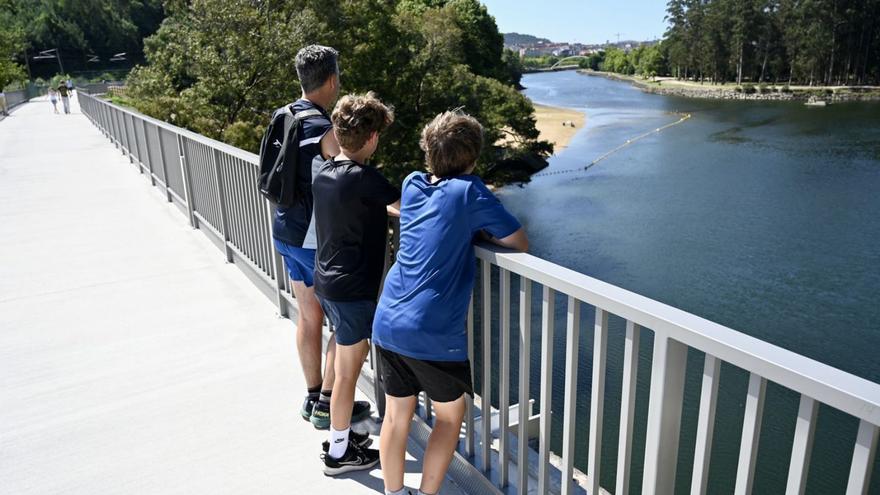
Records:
x=828, y=91
x=748, y=88
x=785, y=89
x=763, y=89
x=738, y=89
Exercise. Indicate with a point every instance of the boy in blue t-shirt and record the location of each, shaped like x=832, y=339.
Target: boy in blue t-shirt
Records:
x=419, y=326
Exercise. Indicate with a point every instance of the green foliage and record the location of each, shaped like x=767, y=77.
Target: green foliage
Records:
x=593, y=61
x=82, y=28
x=748, y=88
x=617, y=60
x=219, y=67
x=539, y=62
x=812, y=42
x=11, y=43
x=763, y=89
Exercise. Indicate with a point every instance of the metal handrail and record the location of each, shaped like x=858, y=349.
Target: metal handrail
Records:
x=215, y=186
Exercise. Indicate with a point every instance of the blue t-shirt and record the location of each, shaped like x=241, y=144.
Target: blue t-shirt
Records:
x=424, y=302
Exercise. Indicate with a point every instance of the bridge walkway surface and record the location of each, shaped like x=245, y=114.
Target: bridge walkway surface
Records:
x=133, y=359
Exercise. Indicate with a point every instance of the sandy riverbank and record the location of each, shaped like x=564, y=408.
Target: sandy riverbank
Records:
x=550, y=122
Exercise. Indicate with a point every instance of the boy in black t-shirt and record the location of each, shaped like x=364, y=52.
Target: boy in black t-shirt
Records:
x=352, y=201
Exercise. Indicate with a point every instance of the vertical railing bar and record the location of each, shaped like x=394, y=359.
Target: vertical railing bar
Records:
x=187, y=179
x=664, y=415
x=224, y=227
x=548, y=311
x=247, y=226
x=525, y=352
x=249, y=213
x=486, y=397
x=705, y=424
x=469, y=400
x=802, y=446
x=236, y=200
x=148, y=158
x=597, y=398
x=504, y=375
x=864, y=454
x=627, y=405
x=572, y=338
x=278, y=265
x=748, y=449
x=163, y=163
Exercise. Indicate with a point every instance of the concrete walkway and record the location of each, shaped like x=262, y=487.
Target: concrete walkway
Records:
x=132, y=358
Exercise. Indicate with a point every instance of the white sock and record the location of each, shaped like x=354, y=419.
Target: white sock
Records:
x=402, y=491
x=338, y=442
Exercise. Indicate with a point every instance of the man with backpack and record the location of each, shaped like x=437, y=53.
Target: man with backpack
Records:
x=296, y=142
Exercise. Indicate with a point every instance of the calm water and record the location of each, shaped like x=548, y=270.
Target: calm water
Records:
x=764, y=217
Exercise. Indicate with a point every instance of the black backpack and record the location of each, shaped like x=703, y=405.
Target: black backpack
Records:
x=279, y=154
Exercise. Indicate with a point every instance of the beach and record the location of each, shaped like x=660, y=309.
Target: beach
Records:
x=550, y=124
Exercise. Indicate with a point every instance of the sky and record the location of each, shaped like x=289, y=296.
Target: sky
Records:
x=583, y=21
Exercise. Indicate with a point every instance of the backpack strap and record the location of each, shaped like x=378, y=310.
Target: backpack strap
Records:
x=304, y=114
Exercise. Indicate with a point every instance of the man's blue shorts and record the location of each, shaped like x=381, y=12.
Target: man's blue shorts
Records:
x=300, y=262
x=352, y=320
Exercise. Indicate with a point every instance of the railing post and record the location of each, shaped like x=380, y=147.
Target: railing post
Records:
x=627, y=404
x=278, y=263
x=146, y=152
x=525, y=353
x=163, y=163
x=802, y=446
x=504, y=375
x=705, y=424
x=187, y=181
x=863, y=459
x=486, y=396
x=597, y=402
x=572, y=347
x=224, y=226
x=664, y=415
x=748, y=448
x=548, y=312
x=469, y=401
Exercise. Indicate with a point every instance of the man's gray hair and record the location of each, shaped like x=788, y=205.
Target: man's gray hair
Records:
x=314, y=65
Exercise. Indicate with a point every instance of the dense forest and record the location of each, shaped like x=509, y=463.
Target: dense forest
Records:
x=220, y=67
x=86, y=34
x=814, y=42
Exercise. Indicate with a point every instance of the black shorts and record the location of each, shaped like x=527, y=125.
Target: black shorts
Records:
x=442, y=381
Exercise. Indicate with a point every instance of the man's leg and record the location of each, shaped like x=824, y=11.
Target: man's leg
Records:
x=441, y=443
x=393, y=439
x=309, y=321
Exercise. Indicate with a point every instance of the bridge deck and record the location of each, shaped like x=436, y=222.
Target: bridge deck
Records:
x=132, y=359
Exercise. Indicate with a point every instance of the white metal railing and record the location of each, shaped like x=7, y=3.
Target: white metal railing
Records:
x=214, y=183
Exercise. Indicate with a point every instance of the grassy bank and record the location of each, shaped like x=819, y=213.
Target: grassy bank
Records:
x=747, y=91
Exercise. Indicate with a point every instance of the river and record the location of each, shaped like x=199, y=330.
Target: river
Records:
x=761, y=216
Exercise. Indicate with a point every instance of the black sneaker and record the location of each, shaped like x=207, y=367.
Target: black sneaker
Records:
x=362, y=440
x=308, y=406
x=320, y=417
x=354, y=459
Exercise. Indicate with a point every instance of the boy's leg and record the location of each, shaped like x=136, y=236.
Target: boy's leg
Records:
x=393, y=439
x=349, y=360
x=441, y=444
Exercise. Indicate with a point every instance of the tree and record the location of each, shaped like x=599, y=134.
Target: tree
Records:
x=11, y=44
x=219, y=67
x=83, y=28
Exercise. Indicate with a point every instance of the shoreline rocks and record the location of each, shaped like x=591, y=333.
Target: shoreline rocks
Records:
x=769, y=94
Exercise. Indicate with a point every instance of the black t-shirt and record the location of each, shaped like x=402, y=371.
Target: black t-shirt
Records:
x=293, y=225
x=351, y=224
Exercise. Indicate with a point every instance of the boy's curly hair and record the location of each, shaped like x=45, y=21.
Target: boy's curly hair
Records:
x=356, y=117
x=452, y=143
